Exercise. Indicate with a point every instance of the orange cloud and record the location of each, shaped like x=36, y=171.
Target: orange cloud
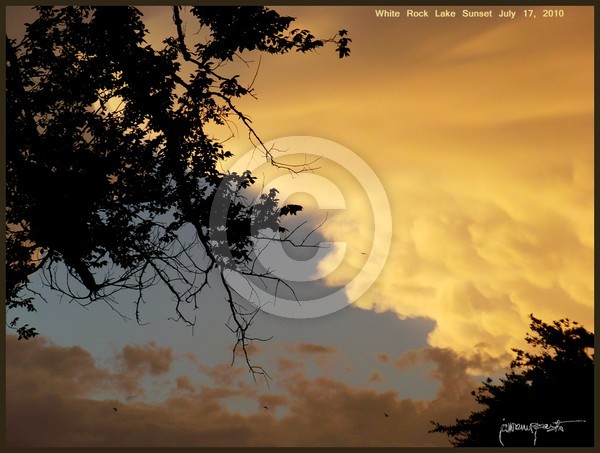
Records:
x=39, y=369
x=44, y=411
x=311, y=348
x=149, y=358
x=383, y=357
x=184, y=383
x=375, y=377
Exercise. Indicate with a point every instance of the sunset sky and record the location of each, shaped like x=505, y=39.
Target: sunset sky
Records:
x=480, y=131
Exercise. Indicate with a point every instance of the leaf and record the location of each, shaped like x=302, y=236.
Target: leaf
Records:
x=25, y=332
x=290, y=209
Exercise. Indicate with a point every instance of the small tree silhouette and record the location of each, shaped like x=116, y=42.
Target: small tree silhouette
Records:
x=554, y=385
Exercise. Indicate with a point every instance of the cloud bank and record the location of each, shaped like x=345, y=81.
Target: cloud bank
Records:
x=52, y=402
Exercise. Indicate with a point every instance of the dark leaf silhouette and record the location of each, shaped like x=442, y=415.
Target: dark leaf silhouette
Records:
x=25, y=332
x=290, y=209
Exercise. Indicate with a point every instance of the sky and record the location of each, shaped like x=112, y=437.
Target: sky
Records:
x=475, y=195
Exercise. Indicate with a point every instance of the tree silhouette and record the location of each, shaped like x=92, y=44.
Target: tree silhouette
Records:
x=547, y=399
x=109, y=163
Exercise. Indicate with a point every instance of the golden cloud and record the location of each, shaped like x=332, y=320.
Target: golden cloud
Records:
x=485, y=146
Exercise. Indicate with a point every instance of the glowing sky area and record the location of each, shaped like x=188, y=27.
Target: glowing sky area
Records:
x=481, y=133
